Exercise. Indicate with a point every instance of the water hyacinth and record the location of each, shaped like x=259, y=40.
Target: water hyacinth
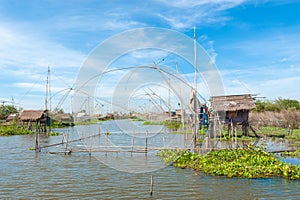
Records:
x=248, y=163
x=295, y=154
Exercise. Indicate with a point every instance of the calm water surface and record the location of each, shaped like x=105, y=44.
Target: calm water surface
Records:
x=29, y=175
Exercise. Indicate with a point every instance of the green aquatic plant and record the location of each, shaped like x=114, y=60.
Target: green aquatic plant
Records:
x=170, y=156
x=169, y=124
x=13, y=130
x=243, y=162
x=54, y=133
x=295, y=154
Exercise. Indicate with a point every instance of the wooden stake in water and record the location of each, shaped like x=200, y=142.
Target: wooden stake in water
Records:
x=91, y=145
x=146, y=147
x=151, y=185
x=67, y=142
x=37, y=142
x=106, y=141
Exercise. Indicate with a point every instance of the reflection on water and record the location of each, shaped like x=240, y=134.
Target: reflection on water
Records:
x=25, y=174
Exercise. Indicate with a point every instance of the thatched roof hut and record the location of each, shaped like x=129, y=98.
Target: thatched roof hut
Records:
x=64, y=117
x=234, y=110
x=12, y=117
x=233, y=102
x=32, y=115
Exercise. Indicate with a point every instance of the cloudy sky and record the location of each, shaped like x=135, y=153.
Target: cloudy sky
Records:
x=254, y=44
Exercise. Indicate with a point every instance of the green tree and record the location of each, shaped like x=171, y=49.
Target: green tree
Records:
x=266, y=105
x=278, y=105
x=285, y=104
x=6, y=110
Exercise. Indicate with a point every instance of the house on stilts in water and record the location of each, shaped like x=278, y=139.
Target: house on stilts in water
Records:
x=234, y=110
x=35, y=120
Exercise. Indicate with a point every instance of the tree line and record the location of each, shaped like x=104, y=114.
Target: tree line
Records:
x=277, y=105
x=6, y=110
x=284, y=113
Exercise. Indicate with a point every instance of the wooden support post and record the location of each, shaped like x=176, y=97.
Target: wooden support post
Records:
x=252, y=129
x=99, y=133
x=91, y=145
x=231, y=132
x=67, y=142
x=146, y=146
x=151, y=185
x=235, y=135
x=106, y=141
x=215, y=131
x=37, y=142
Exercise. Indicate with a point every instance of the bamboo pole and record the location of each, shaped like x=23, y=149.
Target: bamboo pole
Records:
x=235, y=134
x=67, y=142
x=37, y=142
x=151, y=185
x=63, y=142
x=106, y=141
x=142, y=150
x=99, y=133
x=146, y=145
x=91, y=145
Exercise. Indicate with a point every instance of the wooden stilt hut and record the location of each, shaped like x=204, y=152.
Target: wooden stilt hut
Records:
x=234, y=110
x=64, y=119
x=35, y=119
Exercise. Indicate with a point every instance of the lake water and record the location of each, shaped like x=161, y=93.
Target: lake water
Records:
x=29, y=175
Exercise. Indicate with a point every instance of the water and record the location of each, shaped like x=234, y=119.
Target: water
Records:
x=30, y=175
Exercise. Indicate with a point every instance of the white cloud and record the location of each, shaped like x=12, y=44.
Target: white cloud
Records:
x=109, y=21
x=224, y=4
x=22, y=49
x=262, y=81
x=185, y=14
x=25, y=56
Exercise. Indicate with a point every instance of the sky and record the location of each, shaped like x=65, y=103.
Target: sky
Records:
x=253, y=44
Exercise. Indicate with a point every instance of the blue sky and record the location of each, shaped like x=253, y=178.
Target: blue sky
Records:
x=254, y=44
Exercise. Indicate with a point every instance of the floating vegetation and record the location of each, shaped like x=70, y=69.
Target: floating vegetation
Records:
x=94, y=121
x=54, y=133
x=170, y=156
x=248, y=163
x=136, y=119
x=56, y=124
x=13, y=130
x=295, y=154
x=174, y=125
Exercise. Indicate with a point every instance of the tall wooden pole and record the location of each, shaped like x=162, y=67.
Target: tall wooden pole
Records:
x=48, y=99
x=181, y=105
x=195, y=92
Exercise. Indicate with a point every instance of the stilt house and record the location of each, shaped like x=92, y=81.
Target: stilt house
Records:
x=64, y=119
x=37, y=119
x=234, y=110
